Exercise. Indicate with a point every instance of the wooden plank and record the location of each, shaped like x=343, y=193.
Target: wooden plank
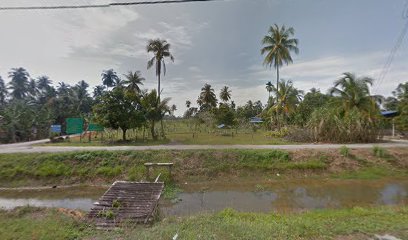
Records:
x=126, y=201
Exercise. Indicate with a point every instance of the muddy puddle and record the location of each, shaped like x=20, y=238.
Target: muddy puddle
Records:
x=242, y=196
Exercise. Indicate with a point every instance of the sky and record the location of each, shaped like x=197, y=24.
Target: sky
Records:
x=213, y=42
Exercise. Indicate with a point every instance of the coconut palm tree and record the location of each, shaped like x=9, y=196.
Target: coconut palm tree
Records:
x=278, y=46
x=161, y=50
x=133, y=80
x=207, y=99
x=154, y=109
x=43, y=83
x=19, y=83
x=225, y=94
x=269, y=88
x=32, y=88
x=110, y=78
x=354, y=92
x=287, y=102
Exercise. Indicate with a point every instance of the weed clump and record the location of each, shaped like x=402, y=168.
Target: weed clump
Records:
x=345, y=151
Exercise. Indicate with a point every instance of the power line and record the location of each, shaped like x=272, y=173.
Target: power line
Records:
x=84, y=6
x=394, y=50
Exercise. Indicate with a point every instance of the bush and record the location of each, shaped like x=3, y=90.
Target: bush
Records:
x=299, y=135
x=109, y=171
x=379, y=151
x=328, y=124
x=345, y=151
x=278, y=133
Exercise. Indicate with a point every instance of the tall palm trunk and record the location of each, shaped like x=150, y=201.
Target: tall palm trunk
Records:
x=152, y=131
x=158, y=86
x=277, y=81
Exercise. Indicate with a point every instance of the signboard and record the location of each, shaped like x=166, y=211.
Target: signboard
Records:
x=95, y=127
x=74, y=125
x=56, y=128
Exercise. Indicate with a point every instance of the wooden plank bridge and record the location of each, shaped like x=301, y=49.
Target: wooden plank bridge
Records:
x=126, y=202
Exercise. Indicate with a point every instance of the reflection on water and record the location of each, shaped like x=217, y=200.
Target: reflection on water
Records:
x=76, y=203
x=278, y=197
x=292, y=198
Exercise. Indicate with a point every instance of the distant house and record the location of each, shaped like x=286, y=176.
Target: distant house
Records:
x=255, y=120
x=390, y=114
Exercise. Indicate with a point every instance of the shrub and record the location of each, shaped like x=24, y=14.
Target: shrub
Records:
x=379, y=151
x=278, y=133
x=345, y=151
x=299, y=135
x=109, y=171
x=328, y=124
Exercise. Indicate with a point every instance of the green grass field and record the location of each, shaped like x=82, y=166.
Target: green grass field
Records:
x=356, y=223
x=179, y=132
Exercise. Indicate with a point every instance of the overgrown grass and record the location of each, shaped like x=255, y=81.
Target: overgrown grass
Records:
x=370, y=173
x=189, y=165
x=356, y=223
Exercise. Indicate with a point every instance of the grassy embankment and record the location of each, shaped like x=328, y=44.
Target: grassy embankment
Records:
x=98, y=167
x=356, y=223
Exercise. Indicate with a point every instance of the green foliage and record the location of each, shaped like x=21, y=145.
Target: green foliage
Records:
x=116, y=204
x=278, y=133
x=207, y=99
x=225, y=115
x=52, y=169
x=345, y=151
x=108, y=214
x=118, y=110
x=379, y=152
x=311, y=101
x=109, y=171
x=33, y=223
x=330, y=124
x=369, y=173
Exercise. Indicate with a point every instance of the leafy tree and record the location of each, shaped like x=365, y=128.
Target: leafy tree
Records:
x=401, y=93
x=3, y=92
x=154, y=110
x=110, y=78
x=278, y=46
x=225, y=94
x=313, y=100
x=207, y=99
x=116, y=110
x=133, y=80
x=225, y=115
x=17, y=120
x=250, y=109
x=19, y=83
x=161, y=50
